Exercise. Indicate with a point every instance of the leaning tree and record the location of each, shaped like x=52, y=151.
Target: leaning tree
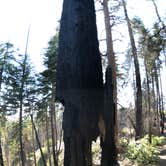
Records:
x=79, y=86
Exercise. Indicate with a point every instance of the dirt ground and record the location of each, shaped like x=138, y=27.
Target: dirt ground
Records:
x=163, y=156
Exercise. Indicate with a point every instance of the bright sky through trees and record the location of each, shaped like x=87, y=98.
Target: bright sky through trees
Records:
x=43, y=17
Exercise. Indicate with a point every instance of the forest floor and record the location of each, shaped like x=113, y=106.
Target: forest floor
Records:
x=163, y=156
x=162, y=161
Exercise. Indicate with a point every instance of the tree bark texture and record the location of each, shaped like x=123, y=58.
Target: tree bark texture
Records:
x=53, y=128
x=1, y=155
x=38, y=141
x=79, y=83
x=47, y=135
x=109, y=152
x=111, y=60
x=138, y=102
x=22, y=152
x=34, y=149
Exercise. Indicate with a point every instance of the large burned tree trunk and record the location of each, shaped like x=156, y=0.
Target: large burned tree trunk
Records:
x=79, y=80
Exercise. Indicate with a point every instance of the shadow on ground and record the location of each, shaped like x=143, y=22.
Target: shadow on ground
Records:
x=162, y=157
x=163, y=152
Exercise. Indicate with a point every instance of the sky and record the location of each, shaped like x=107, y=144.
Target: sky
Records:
x=43, y=15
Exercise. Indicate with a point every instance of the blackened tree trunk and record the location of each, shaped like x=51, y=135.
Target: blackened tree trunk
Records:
x=138, y=102
x=109, y=153
x=79, y=83
x=111, y=59
x=1, y=155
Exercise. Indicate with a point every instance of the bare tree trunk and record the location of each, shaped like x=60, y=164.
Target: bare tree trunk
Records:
x=1, y=155
x=132, y=122
x=1, y=79
x=79, y=83
x=109, y=152
x=47, y=135
x=38, y=141
x=22, y=153
x=34, y=149
x=158, y=15
x=139, y=126
x=111, y=61
x=155, y=106
x=162, y=103
x=159, y=104
x=53, y=126
x=160, y=21
x=149, y=101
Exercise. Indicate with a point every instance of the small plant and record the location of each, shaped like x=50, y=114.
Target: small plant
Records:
x=158, y=141
x=123, y=142
x=96, y=152
x=124, y=131
x=142, y=152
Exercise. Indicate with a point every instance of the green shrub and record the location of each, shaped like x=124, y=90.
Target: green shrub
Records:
x=158, y=141
x=142, y=152
x=123, y=142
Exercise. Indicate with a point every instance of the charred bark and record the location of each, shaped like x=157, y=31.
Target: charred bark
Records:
x=1, y=155
x=111, y=60
x=109, y=152
x=79, y=83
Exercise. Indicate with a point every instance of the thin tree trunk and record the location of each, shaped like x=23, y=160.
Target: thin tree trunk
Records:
x=34, y=149
x=158, y=15
x=56, y=135
x=22, y=153
x=111, y=60
x=155, y=106
x=160, y=21
x=162, y=103
x=52, y=111
x=158, y=96
x=1, y=155
x=149, y=101
x=132, y=122
x=38, y=141
x=48, y=144
x=139, y=126
x=1, y=78
x=109, y=152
